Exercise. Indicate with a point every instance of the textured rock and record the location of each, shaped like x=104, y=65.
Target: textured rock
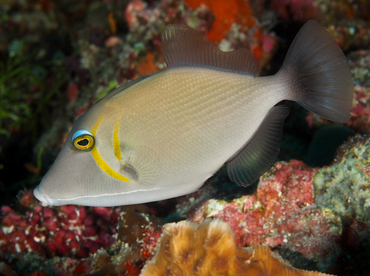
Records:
x=63, y=231
x=281, y=213
x=344, y=187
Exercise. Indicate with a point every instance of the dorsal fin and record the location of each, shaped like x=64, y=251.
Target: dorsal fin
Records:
x=185, y=46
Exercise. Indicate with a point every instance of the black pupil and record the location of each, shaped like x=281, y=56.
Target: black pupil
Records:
x=83, y=142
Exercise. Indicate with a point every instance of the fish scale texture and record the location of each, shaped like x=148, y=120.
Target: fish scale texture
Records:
x=194, y=103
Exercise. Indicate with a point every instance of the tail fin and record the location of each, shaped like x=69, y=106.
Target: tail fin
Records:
x=323, y=82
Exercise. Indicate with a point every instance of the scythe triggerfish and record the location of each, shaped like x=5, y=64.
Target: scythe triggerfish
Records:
x=165, y=134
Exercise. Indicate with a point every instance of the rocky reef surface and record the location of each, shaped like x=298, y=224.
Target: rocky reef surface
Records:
x=58, y=57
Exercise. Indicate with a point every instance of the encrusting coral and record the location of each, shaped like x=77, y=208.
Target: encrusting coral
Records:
x=344, y=186
x=187, y=248
x=281, y=214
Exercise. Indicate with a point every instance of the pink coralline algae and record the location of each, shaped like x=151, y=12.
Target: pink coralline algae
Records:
x=75, y=240
x=62, y=231
x=281, y=213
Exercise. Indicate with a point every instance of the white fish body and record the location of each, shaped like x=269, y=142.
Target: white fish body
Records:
x=164, y=135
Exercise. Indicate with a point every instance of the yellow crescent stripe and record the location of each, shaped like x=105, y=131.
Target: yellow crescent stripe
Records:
x=117, y=150
x=99, y=160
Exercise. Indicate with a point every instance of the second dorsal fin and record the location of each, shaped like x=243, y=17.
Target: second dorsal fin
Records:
x=183, y=46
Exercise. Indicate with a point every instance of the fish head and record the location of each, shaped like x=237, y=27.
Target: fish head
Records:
x=92, y=170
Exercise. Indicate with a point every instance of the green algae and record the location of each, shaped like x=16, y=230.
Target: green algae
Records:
x=344, y=186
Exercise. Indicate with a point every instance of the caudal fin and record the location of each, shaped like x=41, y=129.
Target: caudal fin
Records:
x=320, y=73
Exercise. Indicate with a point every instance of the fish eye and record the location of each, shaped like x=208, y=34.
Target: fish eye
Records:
x=83, y=140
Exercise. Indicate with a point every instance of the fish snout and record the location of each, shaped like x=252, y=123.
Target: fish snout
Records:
x=44, y=199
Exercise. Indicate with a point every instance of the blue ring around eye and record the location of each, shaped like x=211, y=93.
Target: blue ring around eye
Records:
x=79, y=133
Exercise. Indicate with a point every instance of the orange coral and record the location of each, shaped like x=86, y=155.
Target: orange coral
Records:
x=227, y=13
x=147, y=66
x=209, y=249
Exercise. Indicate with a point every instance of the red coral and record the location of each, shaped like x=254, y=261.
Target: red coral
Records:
x=282, y=213
x=62, y=231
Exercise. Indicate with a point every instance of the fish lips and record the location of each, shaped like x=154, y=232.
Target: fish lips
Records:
x=44, y=199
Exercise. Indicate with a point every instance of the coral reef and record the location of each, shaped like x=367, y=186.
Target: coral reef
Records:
x=321, y=213
x=68, y=231
x=235, y=27
x=58, y=57
x=346, y=21
x=344, y=187
x=236, y=12
x=360, y=113
x=209, y=249
x=76, y=239
x=138, y=231
x=286, y=213
x=281, y=213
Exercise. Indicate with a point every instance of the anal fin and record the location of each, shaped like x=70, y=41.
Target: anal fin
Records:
x=260, y=152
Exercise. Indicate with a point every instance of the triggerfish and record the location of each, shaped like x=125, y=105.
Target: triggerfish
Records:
x=163, y=135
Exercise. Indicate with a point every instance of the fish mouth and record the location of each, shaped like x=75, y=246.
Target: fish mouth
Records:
x=44, y=199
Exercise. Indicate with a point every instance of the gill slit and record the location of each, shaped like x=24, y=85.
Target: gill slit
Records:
x=99, y=160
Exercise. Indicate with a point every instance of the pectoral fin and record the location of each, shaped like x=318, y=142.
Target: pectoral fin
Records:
x=260, y=153
x=143, y=165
